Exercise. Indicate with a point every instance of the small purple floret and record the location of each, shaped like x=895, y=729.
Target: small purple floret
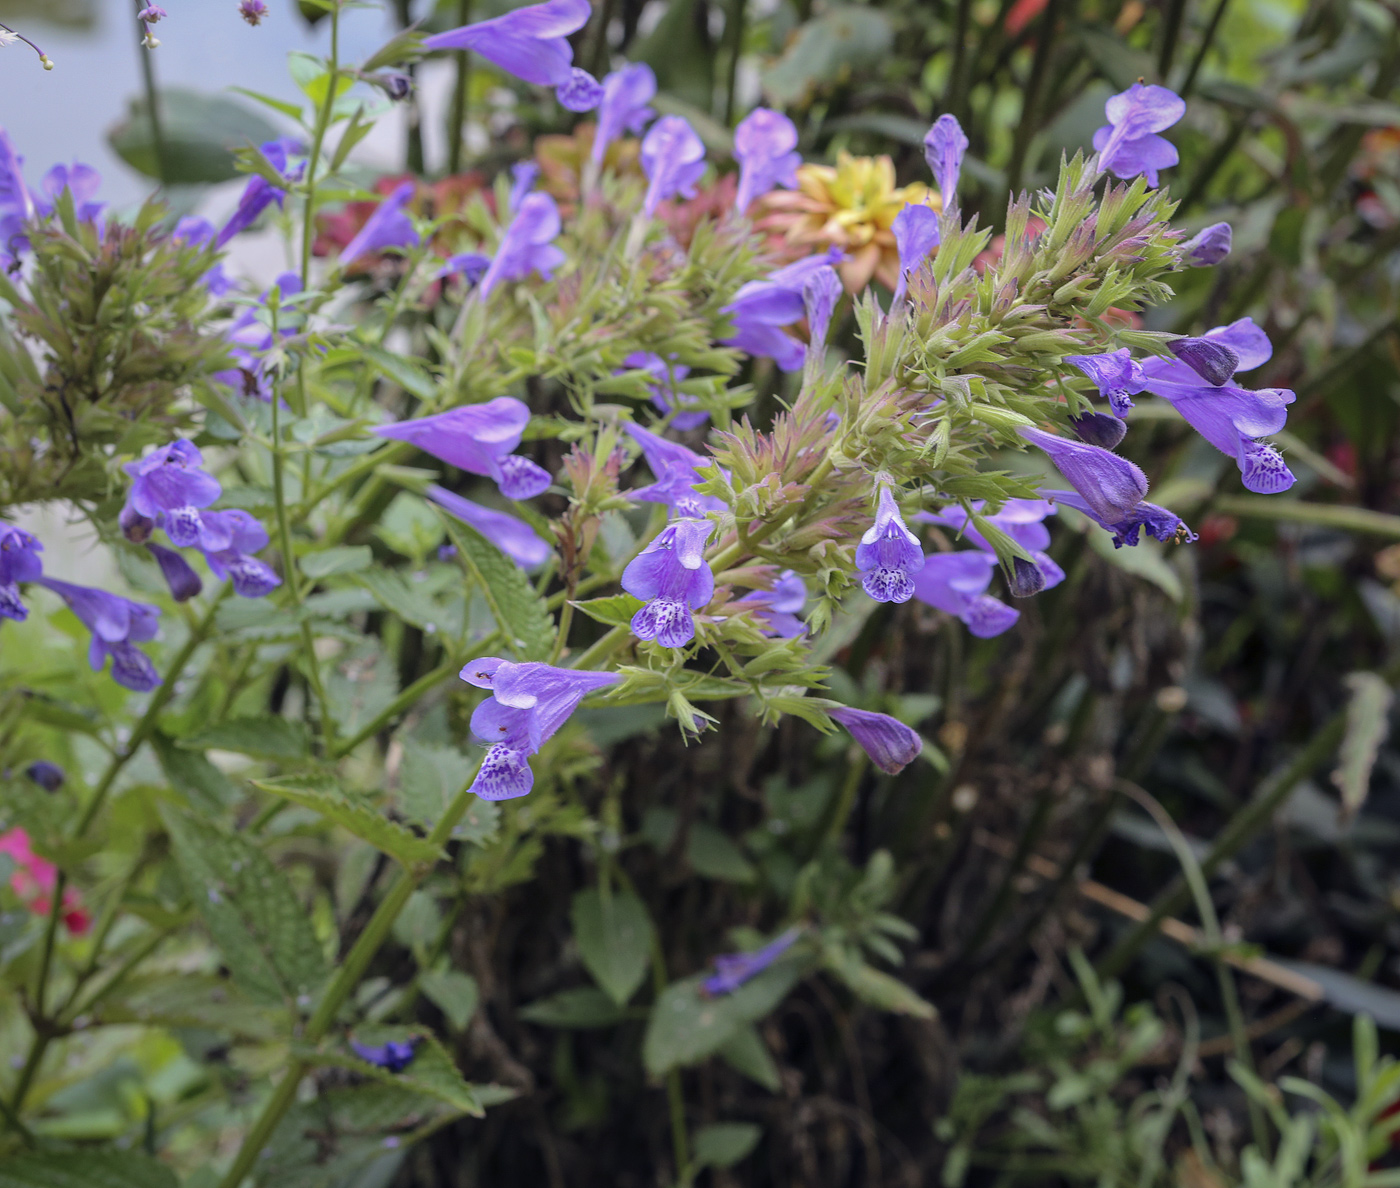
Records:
x=891, y=745
x=19, y=562
x=1129, y=144
x=49, y=776
x=671, y=577
x=664, y=393
x=732, y=970
x=527, y=245
x=888, y=554
x=1112, y=485
x=760, y=308
x=944, y=147
x=515, y=538
x=915, y=235
x=673, y=159
x=1209, y=246
x=623, y=108
x=117, y=624
x=764, y=144
x=531, y=43
x=675, y=469
x=478, y=438
x=393, y=1055
x=388, y=227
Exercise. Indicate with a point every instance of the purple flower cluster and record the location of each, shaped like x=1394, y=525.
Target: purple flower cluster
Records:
x=761, y=308
x=250, y=337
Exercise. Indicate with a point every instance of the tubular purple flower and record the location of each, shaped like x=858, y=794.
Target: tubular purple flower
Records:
x=673, y=159
x=671, y=577
x=527, y=245
x=732, y=970
x=1209, y=358
x=389, y=226
x=170, y=487
x=915, y=235
x=761, y=307
x=394, y=1055
x=891, y=745
x=528, y=703
x=663, y=392
x=888, y=554
x=1099, y=429
x=252, y=11
x=1128, y=144
x=580, y=91
x=523, y=175
x=626, y=94
x=1207, y=247
x=470, y=266
x=764, y=144
x=1117, y=374
x=531, y=43
x=944, y=147
x=1112, y=485
x=778, y=607
x=184, y=583
x=955, y=583
x=117, y=625
x=820, y=294
x=675, y=469
x=227, y=539
x=478, y=438
x=197, y=231
x=16, y=203
x=260, y=193
x=1161, y=523
x=515, y=538
x=19, y=562
x=1023, y=520
x=82, y=180
x=250, y=336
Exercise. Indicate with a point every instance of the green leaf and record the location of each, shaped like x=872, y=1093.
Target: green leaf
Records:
x=200, y=133
x=685, y=1026
x=519, y=612
x=875, y=987
x=1146, y=560
x=452, y=992
x=843, y=40
x=105, y=1168
x=431, y=1073
x=1296, y=511
x=723, y=1144
x=746, y=1053
x=265, y=736
x=713, y=855
x=614, y=937
x=403, y=371
x=322, y=794
x=1368, y=724
x=256, y=920
x=409, y=527
x=290, y=110
x=615, y=611
x=580, y=1009
x=193, y=1001
x=429, y=778
x=342, y=559
x=190, y=773
x=398, y=596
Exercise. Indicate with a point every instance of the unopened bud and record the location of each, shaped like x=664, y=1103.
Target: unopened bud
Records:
x=1099, y=429
x=1026, y=578
x=1213, y=361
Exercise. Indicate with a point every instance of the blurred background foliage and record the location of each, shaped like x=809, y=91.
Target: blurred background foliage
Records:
x=1190, y=734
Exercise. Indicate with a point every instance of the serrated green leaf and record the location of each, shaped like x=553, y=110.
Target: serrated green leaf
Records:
x=1367, y=724
x=203, y=784
x=431, y=1072
x=746, y=1053
x=322, y=794
x=615, y=611
x=581, y=1009
x=265, y=736
x=614, y=938
x=342, y=559
x=876, y=987
x=519, y=612
x=193, y=1000
x=713, y=855
x=106, y=1168
x=251, y=912
x=395, y=594
x=429, y=778
x=452, y=992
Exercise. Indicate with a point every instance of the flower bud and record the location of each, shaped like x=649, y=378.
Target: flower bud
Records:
x=1099, y=429
x=1026, y=578
x=1213, y=361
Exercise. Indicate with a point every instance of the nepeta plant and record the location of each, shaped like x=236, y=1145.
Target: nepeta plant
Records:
x=312, y=443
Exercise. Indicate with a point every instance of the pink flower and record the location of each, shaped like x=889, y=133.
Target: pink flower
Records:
x=34, y=881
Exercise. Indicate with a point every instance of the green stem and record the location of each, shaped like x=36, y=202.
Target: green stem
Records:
x=602, y=648
x=846, y=801
x=318, y=136
x=680, y=1140
x=1207, y=39
x=457, y=119
x=1027, y=127
x=735, y=37
x=148, y=79
x=1171, y=34
x=339, y=990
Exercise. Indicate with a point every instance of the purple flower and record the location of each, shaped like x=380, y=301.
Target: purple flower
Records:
x=888, y=554
x=1112, y=485
x=626, y=93
x=944, y=147
x=170, y=487
x=891, y=745
x=527, y=245
x=184, y=583
x=515, y=538
x=1209, y=358
x=252, y=11
x=761, y=307
x=1117, y=374
x=260, y=193
x=16, y=203
x=393, y=1055
x=523, y=175
x=778, y=607
x=1209, y=246
x=471, y=266
x=194, y=230
x=955, y=583
x=528, y=703
x=249, y=336
x=1128, y=144
x=227, y=539
x=1158, y=521
x=668, y=374
x=151, y=14
x=1098, y=429
x=531, y=43
x=671, y=577
x=675, y=469
x=915, y=236
x=580, y=91
x=117, y=625
x=764, y=144
x=389, y=226
x=673, y=158
x=1231, y=418
x=83, y=180
x=732, y=970
x=479, y=438
x=1023, y=520
x=19, y=562
x=820, y=293
x=49, y=776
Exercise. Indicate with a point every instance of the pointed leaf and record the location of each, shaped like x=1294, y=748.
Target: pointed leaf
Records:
x=614, y=937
